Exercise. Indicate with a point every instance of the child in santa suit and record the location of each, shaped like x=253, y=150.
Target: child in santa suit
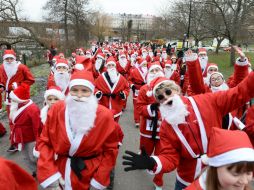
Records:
x=25, y=118
x=230, y=162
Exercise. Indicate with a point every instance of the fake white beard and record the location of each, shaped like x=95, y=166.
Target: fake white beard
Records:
x=13, y=109
x=98, y=64
x=123, y=62
x=151, y=76
x=203, y=62
x=222, y=87
x=144, y=70
x=88, y=55
x=150, y=54
x=44, y=112
x=113, y=75
x=164, y=56
x=168, y=72
x=144, y=55
x=174, y=114
x=10, y=68
x=82, y=113
x=62, y=79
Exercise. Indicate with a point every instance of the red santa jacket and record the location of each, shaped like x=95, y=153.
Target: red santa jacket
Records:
x=136, y=78
x=98, y=149
x=123, y=71
x=23, y=75
x=96, y=73
x=26, y=124
x=210, y=108
x=111, y=95
x=146, y=115
x=198, y=184
x=14, y=177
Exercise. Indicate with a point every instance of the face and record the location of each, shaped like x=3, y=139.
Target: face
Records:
x=212, y=69
x=164, y=94
x=61, y=69
x=80, y=91
x=173, y=59
x=51, y=100
x=168, y=67
x=9, y=59
x=110, y=65
x=155, y=70
x=202, y=55
x=232, y=180
x=216, y=80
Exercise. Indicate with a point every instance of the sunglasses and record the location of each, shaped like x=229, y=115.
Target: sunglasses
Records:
x=168, y=92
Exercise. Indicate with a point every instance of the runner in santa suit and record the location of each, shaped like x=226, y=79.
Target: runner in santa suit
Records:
x=171, y=72
x=83, y=135
x=123, y=65
x=186, y=127
x=137, y=79
x=112, y=89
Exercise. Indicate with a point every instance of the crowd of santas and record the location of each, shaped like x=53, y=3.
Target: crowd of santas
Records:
x=78, y=129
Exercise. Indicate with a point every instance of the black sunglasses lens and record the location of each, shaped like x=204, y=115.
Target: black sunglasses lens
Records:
x=168, y=92
x=160, y=97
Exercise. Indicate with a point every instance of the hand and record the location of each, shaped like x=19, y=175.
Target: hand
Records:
x=122, y=95
x=133, y=88
x=135, y=161
x=98, y=95
x=188, y=52
x=241, y=54
x=154, y=106
x=57, y=185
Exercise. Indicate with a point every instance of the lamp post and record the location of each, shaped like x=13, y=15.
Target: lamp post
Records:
x=189, y=22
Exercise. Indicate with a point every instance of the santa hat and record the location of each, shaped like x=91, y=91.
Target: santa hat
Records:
x=154, y=65
x=216, y=73
x=9, y=53
x=228, y=147
x=62, y=63
x=212, y=65
x=164, y=50
x=168, y=63
x=84, y=78
x=81, y=59
x=101, y=55
x=111, y=60
x=106, y=51
x=54, y=91
x=202, y=51
x=73, y=54
x=144, y=50
x=61, y=55
x=21, y=93
x=122, y=54
x=158, y=52
x=89, y=51
x=173, y=56
x=141, y=61
x=154, y=84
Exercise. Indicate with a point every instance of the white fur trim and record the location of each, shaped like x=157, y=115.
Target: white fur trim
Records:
x=233, y=156
x=154, y=66
x=159, y=165
x=15, y=85
x=100, y=57
x=96, y=184
x=82, y=82
x=9, y=55
x=156, y=86
x=118, y=114
x=241, y=63
x=16, y=98
x=54, y=92
x=111, y=62
x=44, y=113
x=192, y=57
x=50, y=180
x=238, y=123
x=149, y=93
x=36, y=153
x=62, y=65
x=212, y=66
x=149, y=111
x=79, y=66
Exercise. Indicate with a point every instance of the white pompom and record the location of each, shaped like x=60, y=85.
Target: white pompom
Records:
x=149, y=93
x=205, y=159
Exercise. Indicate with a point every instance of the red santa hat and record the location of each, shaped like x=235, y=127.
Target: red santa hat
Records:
x=164, y=50
x=154, y=84
x=89, y=51
x=61, y=55
x=101, y=55
x=144, y=50
x=122, y=54
x=212, y=65
x=62, y=63
x=54, y=91
x=111, y=60
x=21, y=93
x=84, y=78
x=9, y=53
x=228, y=147
x=158, y=52
x=202, y=51
x=168, y=63
x=141, y=61
x=81, y=59
x=154, y=65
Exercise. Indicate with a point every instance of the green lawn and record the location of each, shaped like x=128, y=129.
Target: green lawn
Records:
x=223, y=61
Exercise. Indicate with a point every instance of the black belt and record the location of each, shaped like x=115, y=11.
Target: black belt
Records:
x=78, y=164
x=110, y=95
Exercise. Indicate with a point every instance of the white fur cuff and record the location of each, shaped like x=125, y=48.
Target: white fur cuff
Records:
x=191, y=57
x=241, y=63
x=96, y=184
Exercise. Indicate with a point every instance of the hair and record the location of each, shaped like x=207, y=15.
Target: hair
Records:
x=168, y=84
x=212, y=180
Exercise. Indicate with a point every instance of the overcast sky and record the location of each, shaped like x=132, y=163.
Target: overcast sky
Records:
x=32, y=9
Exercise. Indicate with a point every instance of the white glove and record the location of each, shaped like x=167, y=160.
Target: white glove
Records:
x=57, y=185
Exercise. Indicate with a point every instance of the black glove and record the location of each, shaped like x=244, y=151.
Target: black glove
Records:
x=154, y=106
x=133, y=88
x=135, y=161
x=113, y=95
x=122, y=95
x=98, y=94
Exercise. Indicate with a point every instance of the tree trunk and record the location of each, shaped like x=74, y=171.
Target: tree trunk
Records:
x=232, y=56
x=66, y=27
x=219, y=40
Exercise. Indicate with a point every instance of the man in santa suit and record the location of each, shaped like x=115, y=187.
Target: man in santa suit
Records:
x=12, y=176
x=112, y=89
x=12, y=75
x=186, y=127
x=171, y=72
x=136, y=80
x=83, y=135
x=61, y=76
x=26, y=123
x=150, y=119
x=203, y=61
x=99, y=65
x=123, y=65
x=145, y=55
x=164, y=55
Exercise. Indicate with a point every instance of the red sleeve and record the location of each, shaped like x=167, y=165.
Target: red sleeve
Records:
x=28, y=77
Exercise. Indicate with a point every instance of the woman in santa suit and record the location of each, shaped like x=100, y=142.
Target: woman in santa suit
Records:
x=83, y=135
x=230, y=162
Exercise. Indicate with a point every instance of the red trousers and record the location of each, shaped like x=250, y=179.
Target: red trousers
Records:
x=152, y=146
x=135, y=112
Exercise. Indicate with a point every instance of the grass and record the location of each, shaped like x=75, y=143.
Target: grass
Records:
x=223, y=62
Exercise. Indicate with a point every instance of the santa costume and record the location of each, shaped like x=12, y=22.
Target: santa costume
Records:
x=228, y=152
x=112, y=89
x=123, y=65
x=99, y=65
x=85, y=141
x=171, y=72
